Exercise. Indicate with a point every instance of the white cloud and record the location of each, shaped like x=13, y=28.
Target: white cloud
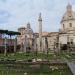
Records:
x=23, y=11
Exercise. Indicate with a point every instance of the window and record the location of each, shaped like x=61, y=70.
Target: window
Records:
x=71, y=41
x=63, y=26
x=70, y=24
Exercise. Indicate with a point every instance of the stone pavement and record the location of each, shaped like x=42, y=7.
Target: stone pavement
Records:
x=71, y=65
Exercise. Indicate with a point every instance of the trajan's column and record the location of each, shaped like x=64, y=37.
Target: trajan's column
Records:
x=40, y=32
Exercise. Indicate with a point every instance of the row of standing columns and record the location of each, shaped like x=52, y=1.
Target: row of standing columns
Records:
x=15, y=46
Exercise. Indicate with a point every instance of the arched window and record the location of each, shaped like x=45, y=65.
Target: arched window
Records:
x=70, y=24
x=63, y=26
x=71, y=41
x=69, y=16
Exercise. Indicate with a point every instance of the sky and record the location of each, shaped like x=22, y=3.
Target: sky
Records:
x=17, y=13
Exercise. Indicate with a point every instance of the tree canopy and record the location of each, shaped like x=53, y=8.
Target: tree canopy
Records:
x=9, y=32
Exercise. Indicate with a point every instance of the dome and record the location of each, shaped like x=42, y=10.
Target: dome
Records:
x=69, y=15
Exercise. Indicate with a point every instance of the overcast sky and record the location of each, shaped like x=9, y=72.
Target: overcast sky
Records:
x=17, y=13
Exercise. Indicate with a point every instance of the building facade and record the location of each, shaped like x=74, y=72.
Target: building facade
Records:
x=25, y=40
x=42, y=41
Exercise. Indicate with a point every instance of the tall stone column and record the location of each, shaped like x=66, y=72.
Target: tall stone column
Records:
x=25, y=43
x=40, y=32
x=15, y=45
x=21, y=49
x=35, y=43
x=5, y=51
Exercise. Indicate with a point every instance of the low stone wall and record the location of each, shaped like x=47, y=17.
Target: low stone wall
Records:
x=33, y=66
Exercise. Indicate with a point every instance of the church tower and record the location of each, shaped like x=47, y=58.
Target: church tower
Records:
x=68, y=26
x=68, y=19
x=40, y=32
x=69, y=9
x=28, y=25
